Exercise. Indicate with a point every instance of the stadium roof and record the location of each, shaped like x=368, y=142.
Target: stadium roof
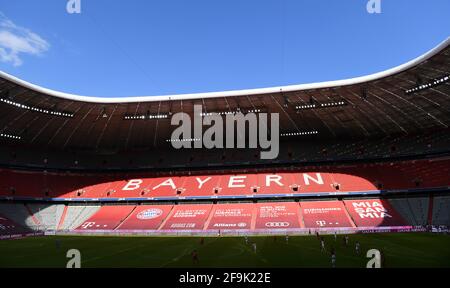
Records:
x=410, y=98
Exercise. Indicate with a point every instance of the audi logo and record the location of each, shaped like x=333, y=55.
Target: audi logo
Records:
x=277, y=224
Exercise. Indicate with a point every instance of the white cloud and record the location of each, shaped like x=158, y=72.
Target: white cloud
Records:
x=16, y=40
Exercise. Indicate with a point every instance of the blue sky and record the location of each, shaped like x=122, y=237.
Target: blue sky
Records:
x=141, y=47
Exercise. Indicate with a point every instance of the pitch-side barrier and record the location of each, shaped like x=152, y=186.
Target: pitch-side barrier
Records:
x=256, y=232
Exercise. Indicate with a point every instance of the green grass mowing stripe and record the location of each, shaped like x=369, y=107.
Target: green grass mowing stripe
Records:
x=401, y=250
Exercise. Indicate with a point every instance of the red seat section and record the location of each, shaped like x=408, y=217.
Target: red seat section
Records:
x=347, y=178
x=107, y=218
x=352, y=182
x=146, y=217
x=314, y=182
x=135, y=187
x=26, y=184
x=188, y=217
x=232, y=216
x=366, y=213
x=65, y=186
x=8, y=227
x=325, y=214
x=283, y=215
x=277, y=183
x=239, y=184
x=373, y=213
x=96, y=191
x=165, y=186
x=201, y=185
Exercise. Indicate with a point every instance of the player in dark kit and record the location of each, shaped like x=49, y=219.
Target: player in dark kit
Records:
x=195, y=257
x=333, y=258
x=58, y=244
x=346, y=240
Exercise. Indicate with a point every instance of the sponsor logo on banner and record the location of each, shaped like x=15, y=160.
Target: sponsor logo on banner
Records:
x=149, y=214
x=183, y=225
x=190, y=213
x=230, y=225
x=88, y=225
x=321, y=223
x=321, y=210
x=373, y=210
x=277, y=224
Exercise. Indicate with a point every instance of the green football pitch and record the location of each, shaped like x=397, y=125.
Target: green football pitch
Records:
x=399, y=250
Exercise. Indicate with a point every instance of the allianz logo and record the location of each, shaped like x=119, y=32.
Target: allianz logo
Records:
x=277, y=224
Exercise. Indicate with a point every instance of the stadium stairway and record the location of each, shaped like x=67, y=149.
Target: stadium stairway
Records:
x=126, y=218
x=419, y=207
x=413, y=210
x=48, y=216
x=163, y=223
x=63, y=217
x=77, y=215
x=441, y=211
x=430, y=210
x=33, y=217
x=350, y=217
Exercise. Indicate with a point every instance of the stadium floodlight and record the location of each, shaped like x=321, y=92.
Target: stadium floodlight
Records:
x=364, y=93
x=183, y=140
x=146, y=117
x=36, y=109
x=104, y=114
x=321, y=105
x=9, y=136
x=428, y=85
x=290, y=134
x=233, y=112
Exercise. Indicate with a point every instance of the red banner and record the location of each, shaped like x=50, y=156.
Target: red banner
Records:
x=278, y=215
x=232, y=216
x=373, y=213
x=188, y=217
x=325, y=214
x=147, y=217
